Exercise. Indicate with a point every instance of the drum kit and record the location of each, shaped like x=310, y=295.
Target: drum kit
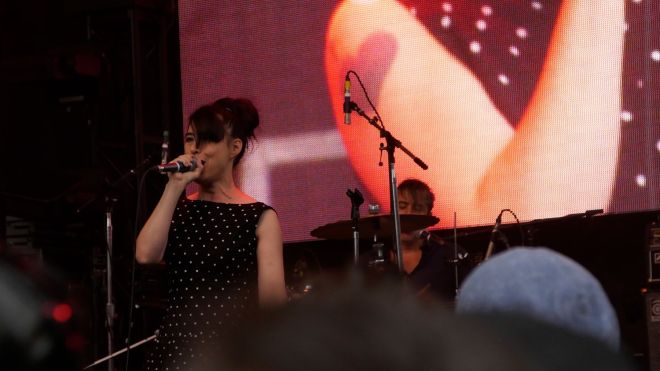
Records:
x=376, y=231
x=379, y=226
x=379, y=229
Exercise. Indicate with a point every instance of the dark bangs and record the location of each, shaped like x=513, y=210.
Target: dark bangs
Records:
x=419, y=191
x=209, y=125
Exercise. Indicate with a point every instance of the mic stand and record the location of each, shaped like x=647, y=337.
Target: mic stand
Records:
x=493, y=236
x=115, y=354
x=356, y=201
x=123, y=178
x=392, y=144
x=109, y=306
x=110, y=203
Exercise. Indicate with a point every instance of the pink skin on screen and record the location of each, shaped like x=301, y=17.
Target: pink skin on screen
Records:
x=561, y=158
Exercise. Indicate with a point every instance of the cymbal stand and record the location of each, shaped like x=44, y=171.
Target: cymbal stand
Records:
x=356, y=201
x=392, y=144
x=377, y=261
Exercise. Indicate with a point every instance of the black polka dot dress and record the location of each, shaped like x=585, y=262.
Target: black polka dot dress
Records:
x=211, y=256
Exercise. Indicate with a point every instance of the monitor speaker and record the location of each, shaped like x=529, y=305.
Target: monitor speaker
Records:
x=653, y=328
x=653, y=296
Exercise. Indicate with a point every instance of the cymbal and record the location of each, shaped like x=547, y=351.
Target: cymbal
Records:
x=379, y=225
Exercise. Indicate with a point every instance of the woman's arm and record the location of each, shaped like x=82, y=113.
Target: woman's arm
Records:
x=152, y=240
x=272, y=290
x=564, y=154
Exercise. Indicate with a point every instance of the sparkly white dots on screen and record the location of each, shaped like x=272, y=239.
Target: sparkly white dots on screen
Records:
x=626, y=116
x=447, y=7
x=657, y=145
x=475, y=47
x=640, y=83
x=521, y=32
x=504, y=79
x=514, y=50
x=640, y=180
x=481, y=25
x=445, y=21
x=536, y=5
x=486, y=10
x=655, y=55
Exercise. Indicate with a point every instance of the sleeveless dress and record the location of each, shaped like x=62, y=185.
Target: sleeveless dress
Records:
x=211, y=257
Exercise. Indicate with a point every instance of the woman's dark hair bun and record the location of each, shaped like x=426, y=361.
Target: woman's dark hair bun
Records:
x=241, y=117
x=248, y=114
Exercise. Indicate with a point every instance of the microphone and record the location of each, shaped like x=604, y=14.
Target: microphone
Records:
x=347, y=100
x=177, y=167
x=165, y=148
x=493, y=236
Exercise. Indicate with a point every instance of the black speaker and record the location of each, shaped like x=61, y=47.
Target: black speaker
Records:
x=654, y=253
x=653, y=328
x=653, y=296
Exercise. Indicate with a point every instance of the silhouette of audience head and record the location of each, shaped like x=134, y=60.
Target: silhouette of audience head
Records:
x=381, y=326
x=35, y=330
x=543, y=285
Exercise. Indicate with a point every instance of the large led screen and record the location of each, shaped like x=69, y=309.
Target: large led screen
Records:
x=543, y=107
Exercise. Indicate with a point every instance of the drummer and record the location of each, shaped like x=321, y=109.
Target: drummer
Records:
x=427, y=260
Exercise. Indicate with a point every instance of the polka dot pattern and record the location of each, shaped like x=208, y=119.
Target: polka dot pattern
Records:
x=504, y=43
x=212, y=275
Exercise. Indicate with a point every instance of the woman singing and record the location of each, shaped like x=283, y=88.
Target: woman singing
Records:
x=223, y=248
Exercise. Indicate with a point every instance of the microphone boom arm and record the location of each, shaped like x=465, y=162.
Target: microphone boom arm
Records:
x=391, y=140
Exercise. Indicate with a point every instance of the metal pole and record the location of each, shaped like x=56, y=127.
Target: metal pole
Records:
x=356, y=247
x=455, y=260
x=113, y=355
x=109, y=306
x=394, y=207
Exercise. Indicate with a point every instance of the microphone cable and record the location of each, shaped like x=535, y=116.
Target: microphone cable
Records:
x=520, y=229
x=364, y=90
